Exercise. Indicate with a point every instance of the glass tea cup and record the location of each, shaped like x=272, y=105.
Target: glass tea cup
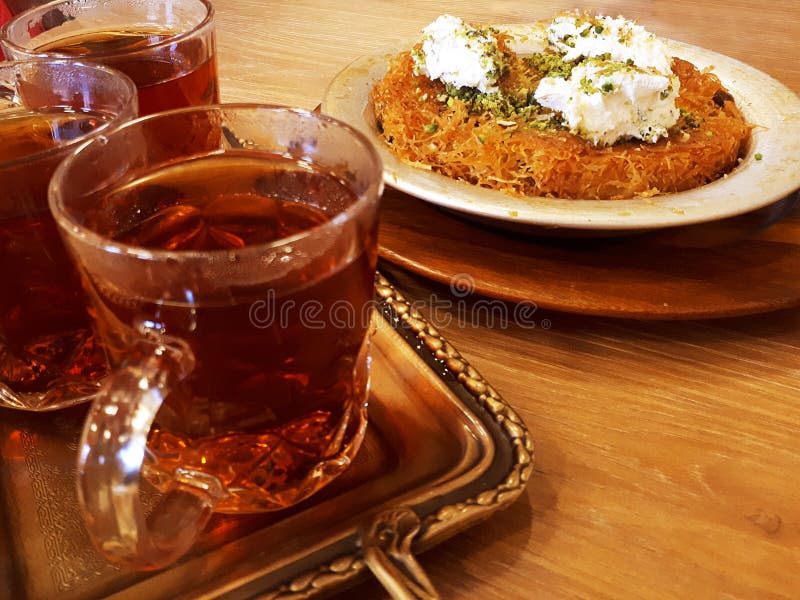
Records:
x=48, y=355
x=231, y=277
x=167, y=47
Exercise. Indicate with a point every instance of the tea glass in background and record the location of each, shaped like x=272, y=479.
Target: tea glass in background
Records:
x=167, y=47
x=231, y=276
x=48, y=355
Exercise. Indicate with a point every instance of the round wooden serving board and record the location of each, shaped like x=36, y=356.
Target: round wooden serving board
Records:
x=742, y=265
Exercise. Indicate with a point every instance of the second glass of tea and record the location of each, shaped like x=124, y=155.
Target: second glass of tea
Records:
x=49, y=358
x=167, y=47
x=231, y=275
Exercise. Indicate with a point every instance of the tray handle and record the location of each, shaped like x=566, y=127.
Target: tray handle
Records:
x=386, y=541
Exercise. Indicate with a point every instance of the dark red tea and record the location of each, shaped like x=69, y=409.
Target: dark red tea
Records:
x=45, y=335
x=290, y=383
x=173, y=76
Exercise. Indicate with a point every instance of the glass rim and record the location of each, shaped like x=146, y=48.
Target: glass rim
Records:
x=75, y=229
x=114, y=120
x=207, y=21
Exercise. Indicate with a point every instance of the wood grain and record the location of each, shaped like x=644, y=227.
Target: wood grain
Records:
x=668, y=453
x=738, y=266
x=667, y=457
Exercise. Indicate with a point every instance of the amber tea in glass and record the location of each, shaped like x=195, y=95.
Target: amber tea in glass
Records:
x=166, y=48
x=48, y=355
x=234, y=284
x=289, y=389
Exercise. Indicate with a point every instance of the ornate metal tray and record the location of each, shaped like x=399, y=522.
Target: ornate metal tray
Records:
x=443, y=452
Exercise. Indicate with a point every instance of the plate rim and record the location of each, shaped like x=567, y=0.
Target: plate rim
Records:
x=777, y=133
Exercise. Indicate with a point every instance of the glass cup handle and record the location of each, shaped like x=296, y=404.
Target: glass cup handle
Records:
x=112, y=453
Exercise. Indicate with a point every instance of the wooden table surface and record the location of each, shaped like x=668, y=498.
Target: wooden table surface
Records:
x=667, y=453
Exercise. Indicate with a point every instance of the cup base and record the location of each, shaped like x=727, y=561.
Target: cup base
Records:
x=260, y=489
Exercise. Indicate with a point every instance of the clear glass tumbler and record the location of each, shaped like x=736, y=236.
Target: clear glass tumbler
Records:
x=167, y=47
x=231, y=275
x=48, y=355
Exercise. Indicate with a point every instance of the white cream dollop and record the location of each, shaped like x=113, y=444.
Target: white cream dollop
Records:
x=458, y=54
x=622, y=85
x=606, y=102
x=622, y=40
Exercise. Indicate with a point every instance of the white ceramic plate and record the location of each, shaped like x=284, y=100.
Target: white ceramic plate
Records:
x=765, y=102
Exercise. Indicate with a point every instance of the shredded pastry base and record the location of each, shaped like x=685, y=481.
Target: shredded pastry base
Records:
x=525, y=161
